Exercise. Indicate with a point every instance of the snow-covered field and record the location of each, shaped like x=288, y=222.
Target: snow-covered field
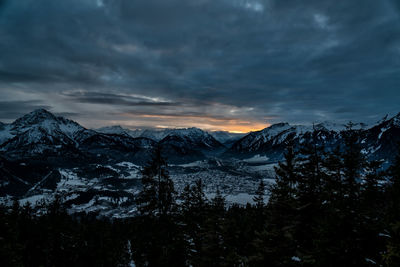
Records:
x=113, y=195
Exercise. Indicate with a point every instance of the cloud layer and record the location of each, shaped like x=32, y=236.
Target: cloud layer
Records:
x=215, y=64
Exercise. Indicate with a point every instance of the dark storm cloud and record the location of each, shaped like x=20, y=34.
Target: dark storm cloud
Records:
x=116, y=99
x=13, y=109
x=297, y=61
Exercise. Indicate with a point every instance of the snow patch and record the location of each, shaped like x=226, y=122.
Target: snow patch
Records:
x=256, y=158
x=191, y=164
x=33, y=199
x=296, y=259
x=127, y=165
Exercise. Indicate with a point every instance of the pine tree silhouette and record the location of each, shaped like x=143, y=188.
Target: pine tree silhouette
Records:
x=260, y=195
x=157, y=197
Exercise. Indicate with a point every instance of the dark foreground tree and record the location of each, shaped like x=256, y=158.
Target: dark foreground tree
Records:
x=157, y=197
x=274, y=244
x=327, y=208
x=259, y=198
x=159, y=240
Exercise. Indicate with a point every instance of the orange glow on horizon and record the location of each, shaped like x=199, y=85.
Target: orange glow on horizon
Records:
x=240, y=128
x=209, y=123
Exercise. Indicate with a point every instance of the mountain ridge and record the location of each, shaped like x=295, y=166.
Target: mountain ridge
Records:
x=378, y=141
x=45, y=155
x=41, y=133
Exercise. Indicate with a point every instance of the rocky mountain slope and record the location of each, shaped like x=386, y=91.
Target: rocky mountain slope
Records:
x=378, y=141
x=43, y=136
x=42, y=155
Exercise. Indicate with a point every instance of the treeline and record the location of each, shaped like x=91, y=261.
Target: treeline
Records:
x=327, y=208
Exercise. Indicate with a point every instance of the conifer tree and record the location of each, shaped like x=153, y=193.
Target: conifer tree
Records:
x=161, y=240
x=158, y=194
x=284, y=189
x=194, y=208
x=259, y=211
x=349, y=244
x=332, y=185
x=218, y=203
x=213, y=250
x=310, y=170
x=274, y=245
x=193, y=197
x=393, y=190
x=353, y=162
x=372, y=211
x=392, y=220
x=260, y=195
x=328, y=229
x=309, y=197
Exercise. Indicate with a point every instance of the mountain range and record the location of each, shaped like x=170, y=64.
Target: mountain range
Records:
x=40, y=135
x=223, y=137
x=42, y=155
x=378, y=141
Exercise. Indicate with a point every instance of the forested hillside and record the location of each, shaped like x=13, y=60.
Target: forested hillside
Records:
x=327, y=208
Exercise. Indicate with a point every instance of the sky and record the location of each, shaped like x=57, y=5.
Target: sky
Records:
x=234, y=65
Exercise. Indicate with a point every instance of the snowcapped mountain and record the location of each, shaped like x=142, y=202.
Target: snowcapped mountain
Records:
x=40, y=134
x=155, y=134
x=223, y=137
x=332, y=126
x=178, y=145
x=41, y=121
x=159, y=134
x=273, y=139
x=378, y=141
x=381, y=141
x=45, y=120
x=42, y=155
x=193, y=135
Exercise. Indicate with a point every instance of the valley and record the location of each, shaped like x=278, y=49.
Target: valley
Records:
x=99, y=171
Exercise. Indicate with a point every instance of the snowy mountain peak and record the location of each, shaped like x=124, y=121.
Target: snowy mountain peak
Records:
x=34, y=117
x=278, y=125
x=276, y=128
x=193, y=134
x=39, y=121
x=330, y=126
x=41, y=111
